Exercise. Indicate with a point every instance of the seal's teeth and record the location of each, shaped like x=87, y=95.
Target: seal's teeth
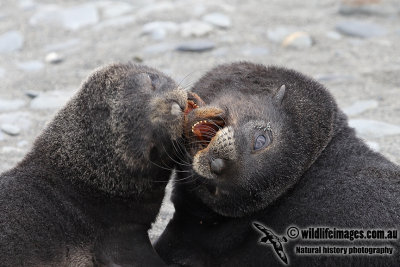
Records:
x=197, y=123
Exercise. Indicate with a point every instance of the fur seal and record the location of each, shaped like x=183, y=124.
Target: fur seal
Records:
x=283, y=156
x=93, y=183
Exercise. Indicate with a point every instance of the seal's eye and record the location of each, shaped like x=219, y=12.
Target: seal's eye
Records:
x=261, y=141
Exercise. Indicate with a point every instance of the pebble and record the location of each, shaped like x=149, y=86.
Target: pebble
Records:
x=360, y=106
x=77, y=17
x=158, y=30
x=10, y=150
x=288, y=37
x=15, y=104
x=198, y=9
x=357, y=42
x=11, y=41
x=158, y=48
x=360, y=29
x=30, y=66
x=138, y=59
x=221, y=52
x=115, y=22
x=168, y=25
x=160, y=7
x=31, y=94
x=10, y=129
x=21, y=119
x=112, y=9
x=196, y=46
x=333, y=35
x=368, y=10
x=51, y=100
x=22, y=143
x=62, y=45
x=195, y=29
x=373, y=129
x=72, y=18
x=218, y=19
x=53, y=58
x=333, y=77
x=373, y=145
x=46, y=14
x=158, y=34
x=298, y=40
x=278, y=34
x=27, y=4
x=255, y=51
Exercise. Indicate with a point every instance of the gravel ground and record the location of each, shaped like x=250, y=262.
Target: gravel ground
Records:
x=48, y=47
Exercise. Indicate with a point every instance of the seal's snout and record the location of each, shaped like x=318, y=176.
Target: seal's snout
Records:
x=217, y=166
x=213, y=161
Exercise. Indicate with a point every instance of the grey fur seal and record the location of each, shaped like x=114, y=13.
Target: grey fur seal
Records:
x=93, y=183
x=282, y=154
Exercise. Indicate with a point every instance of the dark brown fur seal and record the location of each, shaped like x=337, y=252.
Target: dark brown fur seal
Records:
x=285, y=156
x=94, y=180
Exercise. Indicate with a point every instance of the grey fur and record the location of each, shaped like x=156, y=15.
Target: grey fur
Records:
x=315, y=172
x=94, y=180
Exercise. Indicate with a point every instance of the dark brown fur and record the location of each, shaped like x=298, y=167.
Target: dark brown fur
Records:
x=314, y=172
x=93, y=183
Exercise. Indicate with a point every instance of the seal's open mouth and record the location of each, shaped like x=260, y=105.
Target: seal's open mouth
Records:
x=201, y=125
x=205, y=130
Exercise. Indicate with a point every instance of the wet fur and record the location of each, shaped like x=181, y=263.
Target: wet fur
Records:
x=91, y=186
x=316, y=172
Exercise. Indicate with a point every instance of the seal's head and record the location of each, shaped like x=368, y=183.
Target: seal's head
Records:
x=261, y=129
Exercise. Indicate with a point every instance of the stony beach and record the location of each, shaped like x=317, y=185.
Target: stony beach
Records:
x=48, y=47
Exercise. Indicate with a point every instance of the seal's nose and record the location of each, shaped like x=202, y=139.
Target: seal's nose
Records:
x=217, y=165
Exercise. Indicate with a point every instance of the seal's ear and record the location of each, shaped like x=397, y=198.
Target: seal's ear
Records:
x=280, y=94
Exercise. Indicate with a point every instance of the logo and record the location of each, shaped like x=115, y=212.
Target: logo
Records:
x=347, y=242
x=271, y=238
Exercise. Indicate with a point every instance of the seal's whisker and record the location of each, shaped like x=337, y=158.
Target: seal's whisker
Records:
x=184, y=78
x=179, y=153
x=187, y=154
x=187, y=180
x=219, y=116
x=177, y=162
x=168, y=169
x=216, y=124
x=184, y=179
x=188, y=85
x=162, y=167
